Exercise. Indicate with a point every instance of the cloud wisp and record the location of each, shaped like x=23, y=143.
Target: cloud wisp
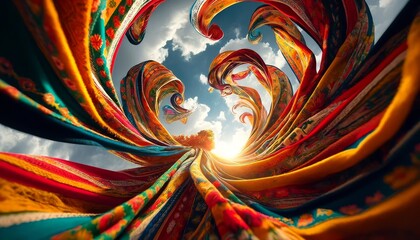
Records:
x=17, y=142
x=267, y=53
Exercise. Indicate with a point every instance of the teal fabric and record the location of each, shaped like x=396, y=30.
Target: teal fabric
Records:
x=42, y=229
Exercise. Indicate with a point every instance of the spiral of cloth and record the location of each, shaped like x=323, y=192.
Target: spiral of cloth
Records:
x=337, y=159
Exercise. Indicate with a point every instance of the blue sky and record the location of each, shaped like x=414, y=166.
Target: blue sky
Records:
x=171, y=40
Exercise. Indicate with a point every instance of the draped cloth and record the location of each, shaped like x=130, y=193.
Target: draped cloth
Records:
x=339, y=158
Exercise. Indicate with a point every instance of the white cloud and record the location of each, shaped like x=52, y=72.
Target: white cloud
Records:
x=203, y=79
x=159, y=55
x=383, y=13
x=318, y=59
x=221, y=116
x=384, y=3
x=159, y=32
x=188, y=41
x=237, y=32
x=263, y=49
x=190, y=103
x=196, y=121
x=18, y=142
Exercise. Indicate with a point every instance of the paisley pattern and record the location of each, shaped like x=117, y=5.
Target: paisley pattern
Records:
x=340, y=158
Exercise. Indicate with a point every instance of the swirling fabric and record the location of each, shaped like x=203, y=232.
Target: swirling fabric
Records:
x=340, y=158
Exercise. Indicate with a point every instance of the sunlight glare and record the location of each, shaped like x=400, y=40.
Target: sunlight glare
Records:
x=231, y=149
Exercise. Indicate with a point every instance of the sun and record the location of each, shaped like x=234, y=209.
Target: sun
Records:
x=229, y=149
x=226, y=151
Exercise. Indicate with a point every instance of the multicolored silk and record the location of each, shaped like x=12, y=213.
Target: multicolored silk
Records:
x=338, y=159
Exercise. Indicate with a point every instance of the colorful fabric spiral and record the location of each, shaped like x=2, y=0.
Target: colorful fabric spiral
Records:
x=337, y=159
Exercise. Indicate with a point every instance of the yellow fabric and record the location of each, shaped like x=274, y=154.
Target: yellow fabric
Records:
x=110, y=9
x=15, y=197
x=398, y=215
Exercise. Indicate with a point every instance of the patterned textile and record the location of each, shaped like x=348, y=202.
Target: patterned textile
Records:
x=338, y=159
